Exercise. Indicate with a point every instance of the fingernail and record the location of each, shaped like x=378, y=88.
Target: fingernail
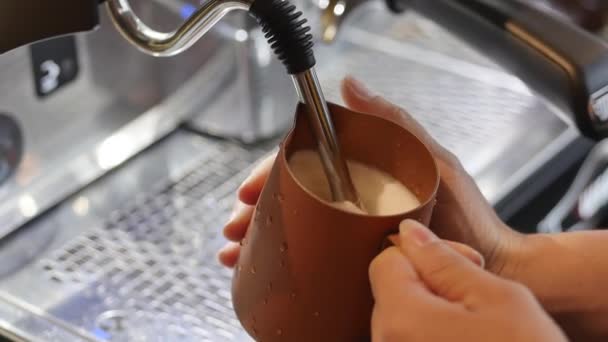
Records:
x=413, y=230
x=358, y=88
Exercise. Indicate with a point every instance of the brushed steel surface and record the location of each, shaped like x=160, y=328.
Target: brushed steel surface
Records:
x=121, y=102
x=256, y=100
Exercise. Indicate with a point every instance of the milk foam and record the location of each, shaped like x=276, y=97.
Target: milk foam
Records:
x=380, y=193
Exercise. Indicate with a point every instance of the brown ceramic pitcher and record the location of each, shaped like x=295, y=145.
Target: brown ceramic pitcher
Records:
x=302, y=274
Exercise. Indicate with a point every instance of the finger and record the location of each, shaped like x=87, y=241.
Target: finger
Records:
x=441, y=268
x=250, y=190
x=359, y=98
x=229, y=254
x=463, y=249
x=237, y=226
x=468, y=252
x=395, y=284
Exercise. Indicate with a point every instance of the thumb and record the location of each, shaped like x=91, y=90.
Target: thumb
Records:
x=445, y=271
x=396, y=285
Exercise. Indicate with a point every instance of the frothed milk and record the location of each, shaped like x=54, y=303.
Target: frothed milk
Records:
x=381, y=194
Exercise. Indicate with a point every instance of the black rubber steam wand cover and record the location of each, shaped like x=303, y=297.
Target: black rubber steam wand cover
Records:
x=287, y=33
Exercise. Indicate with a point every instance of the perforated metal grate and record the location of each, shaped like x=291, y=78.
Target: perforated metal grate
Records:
x=154, y=260
x=462, y=113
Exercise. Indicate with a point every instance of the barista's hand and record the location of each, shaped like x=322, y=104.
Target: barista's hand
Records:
x=424, y=291
x=462, y=214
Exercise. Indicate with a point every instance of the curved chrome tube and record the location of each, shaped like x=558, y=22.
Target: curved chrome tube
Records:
x=162, y=44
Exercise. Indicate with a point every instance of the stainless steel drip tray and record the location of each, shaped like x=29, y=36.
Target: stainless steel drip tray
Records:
x=132, y=257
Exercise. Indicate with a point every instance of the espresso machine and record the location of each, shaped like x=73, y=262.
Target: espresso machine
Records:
x=558, y=60
x=118, y=165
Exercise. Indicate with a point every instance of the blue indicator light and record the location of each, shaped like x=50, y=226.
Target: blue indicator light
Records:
x=187, y=11
x=101, y=334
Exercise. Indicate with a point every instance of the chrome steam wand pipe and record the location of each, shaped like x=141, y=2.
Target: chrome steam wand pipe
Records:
x=340, y=182
x=167, y=44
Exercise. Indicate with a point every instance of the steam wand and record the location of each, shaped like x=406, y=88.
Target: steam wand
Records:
x=336, y=170
x=289, y=37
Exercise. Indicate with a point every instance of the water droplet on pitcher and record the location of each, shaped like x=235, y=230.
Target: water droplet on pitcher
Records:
x=295, y=212
x=241, y=243
x=255, y=332
x=281, y=198
x=240, y=268
x=254, y=320
x=316, y=314
x=283, y=247
x=252, y=270
x=265, y=301
x=292, y=296
x=269, y=220
x=279, y=332
x=269, y=286
x=282, y=263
